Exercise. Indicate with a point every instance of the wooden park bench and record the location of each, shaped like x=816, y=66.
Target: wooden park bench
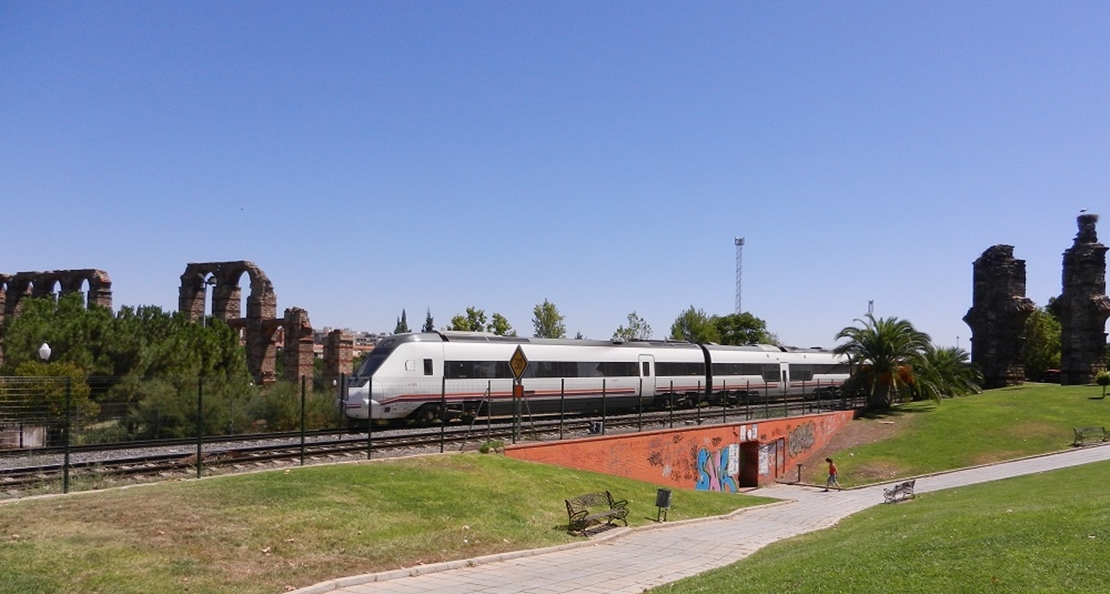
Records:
x=1084, y=434
x=594, y=508
x=899, y=492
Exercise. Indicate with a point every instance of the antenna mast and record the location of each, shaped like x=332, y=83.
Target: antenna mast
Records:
x=739, y=241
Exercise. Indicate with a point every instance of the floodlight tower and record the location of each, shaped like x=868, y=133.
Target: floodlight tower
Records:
x=739, y=242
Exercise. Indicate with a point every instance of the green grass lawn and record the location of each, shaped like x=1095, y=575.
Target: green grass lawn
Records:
x=1042, y=533
x=996, y=425
x=268, y=531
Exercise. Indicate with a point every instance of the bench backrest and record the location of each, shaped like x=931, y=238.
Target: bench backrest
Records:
x=601, y=499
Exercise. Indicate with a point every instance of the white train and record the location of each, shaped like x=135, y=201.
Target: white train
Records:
x=448, y=375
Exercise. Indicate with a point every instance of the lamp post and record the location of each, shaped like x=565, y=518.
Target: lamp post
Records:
x=44, y=354
x=208, y=282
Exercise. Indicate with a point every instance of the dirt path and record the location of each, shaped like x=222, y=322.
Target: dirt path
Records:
x=857, y=433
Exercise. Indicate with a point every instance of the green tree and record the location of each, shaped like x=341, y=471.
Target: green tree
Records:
x=75, y=334
x=143, y=341
x=743, y=328
x=46, y=392
x=693, y=325
x=500, y=326
x=1042, y=342
x=637, y=329
x=1103, y=379
x=402, y=324
x=883, y=352
x=429, y=324
x=548, y=322
x=945, y=373
x=474, y=320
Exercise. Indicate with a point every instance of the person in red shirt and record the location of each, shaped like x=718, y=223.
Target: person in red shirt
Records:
x=832, y=480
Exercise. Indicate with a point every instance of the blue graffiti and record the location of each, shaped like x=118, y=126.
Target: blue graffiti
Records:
x=713, y=472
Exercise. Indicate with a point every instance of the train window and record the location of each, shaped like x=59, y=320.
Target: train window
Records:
x=801, y=373
x=646, y=371
x=833, y=369
x=374, y=360
x=770, y=372
x=617, y=369
x=458, y=369
x=663, y=368
x=427, y=367
x=720, y=369
x=554, y=369
x=477, y=370
x=583, y=369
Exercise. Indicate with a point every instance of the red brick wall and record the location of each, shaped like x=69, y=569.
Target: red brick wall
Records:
x=714, y=458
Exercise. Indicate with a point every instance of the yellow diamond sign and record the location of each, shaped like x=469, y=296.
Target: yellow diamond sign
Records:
x=518, y=362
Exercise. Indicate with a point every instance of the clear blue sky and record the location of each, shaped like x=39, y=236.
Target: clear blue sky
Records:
x=378, y=156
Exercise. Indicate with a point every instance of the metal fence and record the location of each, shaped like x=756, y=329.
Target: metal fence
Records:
x=60, y=415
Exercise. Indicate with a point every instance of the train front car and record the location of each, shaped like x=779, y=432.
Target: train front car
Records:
x=396, y=378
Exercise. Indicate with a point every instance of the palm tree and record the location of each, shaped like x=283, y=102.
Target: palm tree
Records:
x=883, y=352
x=945, y=372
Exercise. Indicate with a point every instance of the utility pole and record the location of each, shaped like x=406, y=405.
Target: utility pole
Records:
x=739, y=242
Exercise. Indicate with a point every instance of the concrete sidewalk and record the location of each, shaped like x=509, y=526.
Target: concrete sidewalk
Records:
x=653, y=555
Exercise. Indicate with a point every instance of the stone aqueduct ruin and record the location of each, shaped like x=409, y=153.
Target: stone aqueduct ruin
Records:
x=999, y=310
x=260, y=327
x=996, y=318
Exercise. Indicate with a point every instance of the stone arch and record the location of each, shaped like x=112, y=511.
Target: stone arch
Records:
x=43, y=284
x=20, y=285
x=260, y=326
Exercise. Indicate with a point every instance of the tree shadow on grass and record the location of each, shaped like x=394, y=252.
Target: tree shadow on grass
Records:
x=896, y=411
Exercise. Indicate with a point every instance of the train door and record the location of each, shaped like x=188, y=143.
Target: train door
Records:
x=784, y=376
x=647, y=377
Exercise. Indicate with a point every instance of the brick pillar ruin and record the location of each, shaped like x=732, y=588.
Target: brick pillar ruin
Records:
x=338, y=352
x=298, y=354
x=1084, y=306
x=997, y=317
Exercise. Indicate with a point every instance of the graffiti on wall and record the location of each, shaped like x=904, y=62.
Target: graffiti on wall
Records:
x=718, y=468
x=772, y=457
x=801, y=439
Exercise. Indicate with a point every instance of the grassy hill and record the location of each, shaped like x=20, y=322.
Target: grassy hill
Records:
x=923, y=437
x=1044, y=533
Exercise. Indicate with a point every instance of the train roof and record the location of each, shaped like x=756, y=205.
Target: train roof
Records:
x=455, y=336
x=487, y=337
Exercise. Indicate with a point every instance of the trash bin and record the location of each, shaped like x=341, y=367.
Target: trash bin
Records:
x=663, y=502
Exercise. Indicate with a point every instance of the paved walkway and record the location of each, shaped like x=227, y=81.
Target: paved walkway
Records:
x=658, y=554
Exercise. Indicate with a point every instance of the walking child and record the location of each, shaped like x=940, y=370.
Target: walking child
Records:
x=832, y=480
